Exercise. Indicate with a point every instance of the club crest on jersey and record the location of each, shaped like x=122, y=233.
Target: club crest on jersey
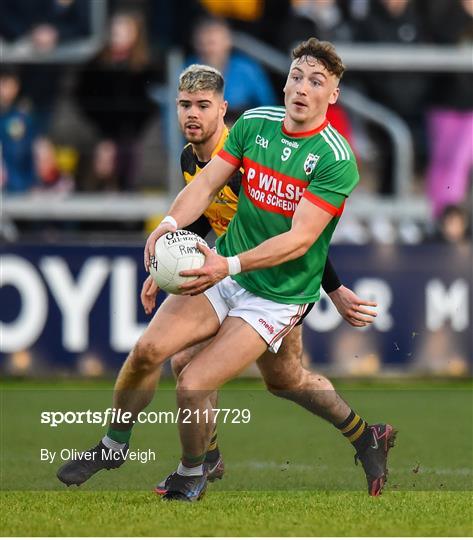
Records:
x=310, y=163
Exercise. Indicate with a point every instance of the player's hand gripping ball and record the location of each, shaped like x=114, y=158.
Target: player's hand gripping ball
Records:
x=175, y=252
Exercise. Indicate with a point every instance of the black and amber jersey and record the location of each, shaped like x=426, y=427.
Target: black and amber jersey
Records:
x=223, y=207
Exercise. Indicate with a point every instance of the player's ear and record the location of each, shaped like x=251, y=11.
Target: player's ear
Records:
x=224, y=107
x=334, y=96
x=287, y=80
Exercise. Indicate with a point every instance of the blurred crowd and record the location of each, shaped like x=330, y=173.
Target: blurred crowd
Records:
x=97, y=126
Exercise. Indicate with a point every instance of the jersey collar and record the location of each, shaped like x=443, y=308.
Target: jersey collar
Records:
x=296, y=134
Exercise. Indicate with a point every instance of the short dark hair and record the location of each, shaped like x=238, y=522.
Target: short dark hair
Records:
x=324, y=52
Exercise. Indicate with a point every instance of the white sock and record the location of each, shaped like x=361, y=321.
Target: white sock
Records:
x=114, y=445
x=190, y=471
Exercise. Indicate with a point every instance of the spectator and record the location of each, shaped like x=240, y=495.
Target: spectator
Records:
x=340, y=120
x=41, y=26
x=44, y=22
x=250, y=10
x=102, y=173
x=263, y=19
x=396, y=22
x=450, y=120
x=112, y=92
x=323, y=19
x=49, y=172
x=453, y=227
x=167, y=25
x=246, y=83
x=17, y=135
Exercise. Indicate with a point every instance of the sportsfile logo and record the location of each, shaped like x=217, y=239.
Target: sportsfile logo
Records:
x=269, y=327
x=113, y=415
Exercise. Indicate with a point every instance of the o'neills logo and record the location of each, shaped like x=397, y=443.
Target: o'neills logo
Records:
x=271, y=190
x=269, y=327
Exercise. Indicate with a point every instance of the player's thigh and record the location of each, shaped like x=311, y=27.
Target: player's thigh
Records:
x=284, y=369
x=180, y=321
x=182, y=358
x=235, y=347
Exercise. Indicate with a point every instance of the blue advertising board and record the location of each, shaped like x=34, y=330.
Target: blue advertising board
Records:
x=64, y=302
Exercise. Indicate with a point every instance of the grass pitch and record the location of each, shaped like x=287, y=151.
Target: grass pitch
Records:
x=287, y=472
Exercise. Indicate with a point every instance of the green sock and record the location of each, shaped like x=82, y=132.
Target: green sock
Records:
x=192, y=461
x=119, y=436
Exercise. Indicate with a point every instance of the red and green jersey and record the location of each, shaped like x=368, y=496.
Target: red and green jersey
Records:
x=280, y=169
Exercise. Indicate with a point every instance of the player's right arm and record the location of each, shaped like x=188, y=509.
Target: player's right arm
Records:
x=149, y=291
x=330, y=280
x=350, y=306
x=192, y=201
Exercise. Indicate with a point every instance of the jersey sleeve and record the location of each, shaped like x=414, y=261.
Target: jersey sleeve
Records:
x=234, y=183
x=234, y=148
x=187, y=160
x=330, y=280
x=332, y=185
x=200, y=226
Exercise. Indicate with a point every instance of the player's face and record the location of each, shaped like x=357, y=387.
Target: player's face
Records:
x=308, y=92
x=200, y=114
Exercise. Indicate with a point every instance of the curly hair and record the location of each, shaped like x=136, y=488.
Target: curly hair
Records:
x=324, y=52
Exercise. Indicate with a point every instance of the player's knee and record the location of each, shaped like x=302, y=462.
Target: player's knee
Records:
x=190, y=389
x=284, y=388
x=318, y=382
x=179, y=361
x=146, y=356
x=187, y=382
x=280, y=382
x=281, y=391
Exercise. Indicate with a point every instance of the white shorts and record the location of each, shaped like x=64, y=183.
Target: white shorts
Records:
x=270, y=319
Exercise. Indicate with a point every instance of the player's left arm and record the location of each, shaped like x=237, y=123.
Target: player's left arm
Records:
x=323, y=200
x=308, y=223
